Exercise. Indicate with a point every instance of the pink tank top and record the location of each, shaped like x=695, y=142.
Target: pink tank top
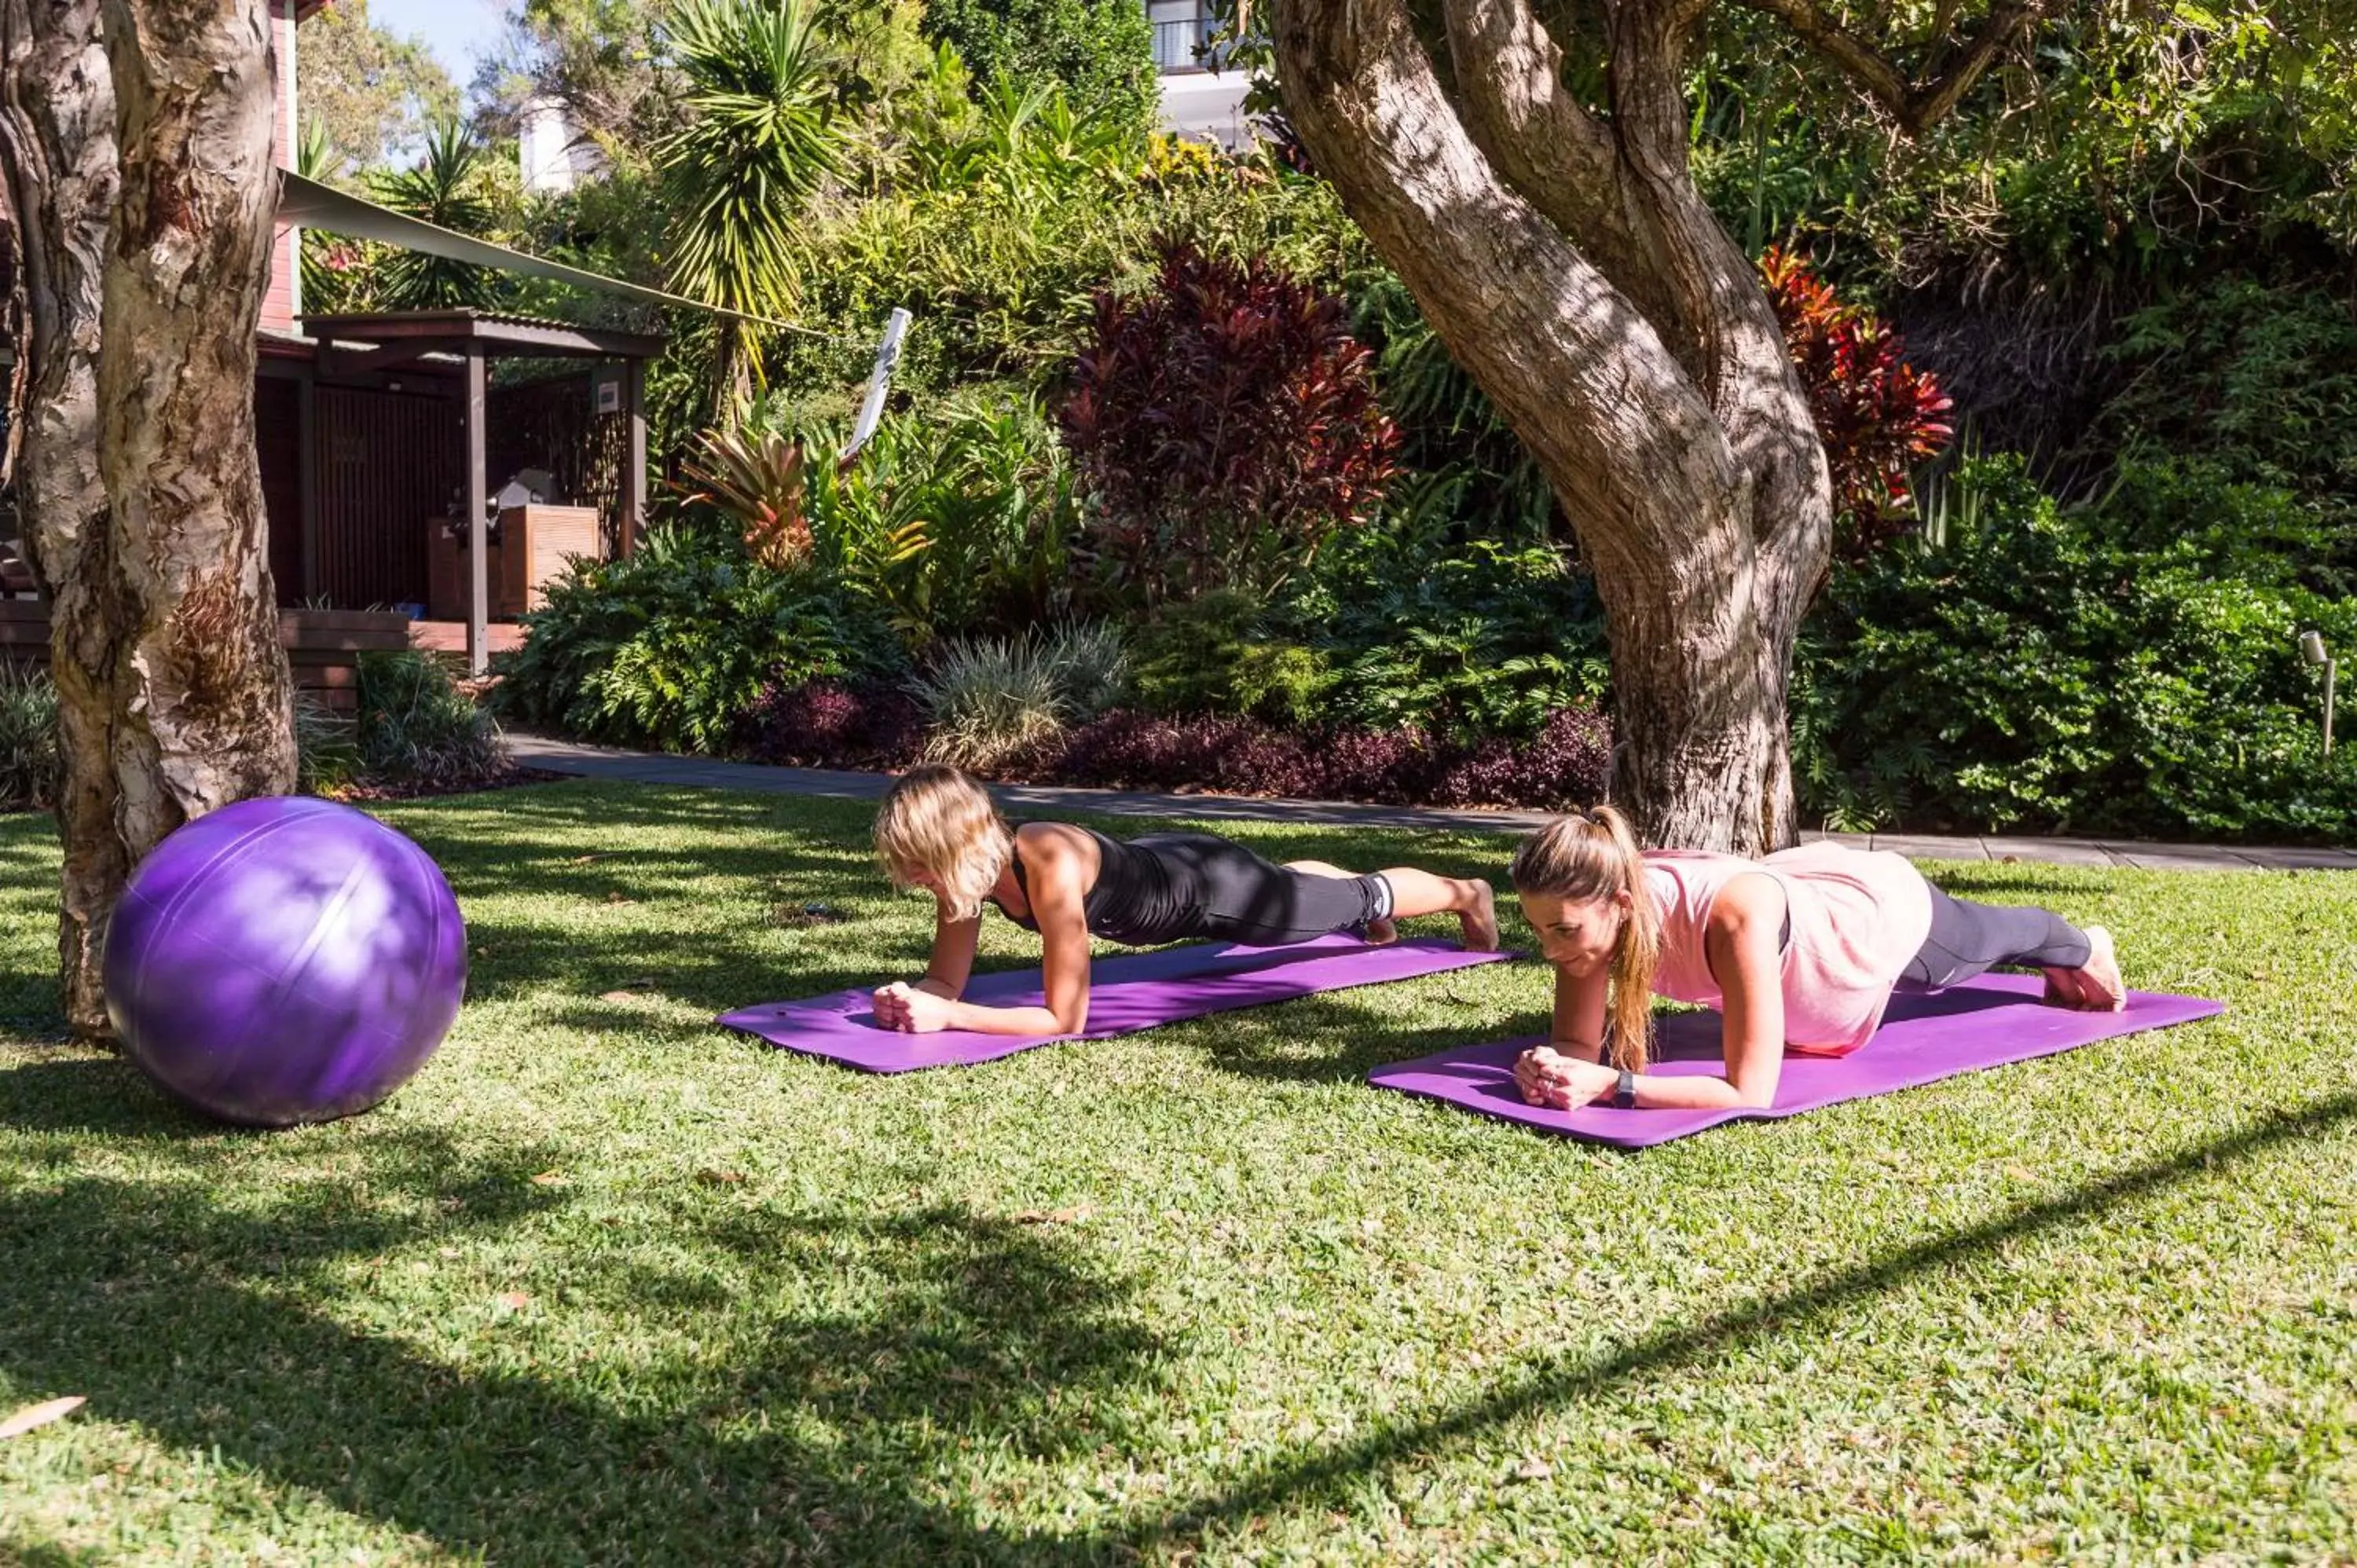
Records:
x=1859, y=918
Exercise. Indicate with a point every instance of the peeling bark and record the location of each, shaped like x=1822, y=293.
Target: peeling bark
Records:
x=135, y=135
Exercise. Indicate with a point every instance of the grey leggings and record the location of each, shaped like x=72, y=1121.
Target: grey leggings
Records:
x=1967, y=939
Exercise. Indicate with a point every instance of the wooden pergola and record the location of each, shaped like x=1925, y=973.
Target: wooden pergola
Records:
x=392, y=340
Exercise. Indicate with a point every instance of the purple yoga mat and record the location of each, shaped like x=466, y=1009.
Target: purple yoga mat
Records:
x=1925, y=1037
x=1131, y=992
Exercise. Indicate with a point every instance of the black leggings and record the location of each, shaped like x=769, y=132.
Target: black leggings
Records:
x=1231, y=895
x=1967, y=939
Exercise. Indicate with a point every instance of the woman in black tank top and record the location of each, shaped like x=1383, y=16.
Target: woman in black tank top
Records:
x=937, y=830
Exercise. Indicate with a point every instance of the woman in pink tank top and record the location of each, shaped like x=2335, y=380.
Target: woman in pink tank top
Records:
x=1800, y=951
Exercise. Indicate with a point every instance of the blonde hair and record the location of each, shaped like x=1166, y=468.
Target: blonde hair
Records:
x=937, y=820
x=1582, y=857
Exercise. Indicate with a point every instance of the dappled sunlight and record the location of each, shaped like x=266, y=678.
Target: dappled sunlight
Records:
x=787, y=1361
x=608, y=1284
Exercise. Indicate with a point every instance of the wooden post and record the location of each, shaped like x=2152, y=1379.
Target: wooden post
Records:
x=307, y=476
x=634, y=466
x=478, y=543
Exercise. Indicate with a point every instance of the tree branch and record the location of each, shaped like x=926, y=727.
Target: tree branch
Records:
x=1560, y=157
x=1916, y=105
x=1622, y=431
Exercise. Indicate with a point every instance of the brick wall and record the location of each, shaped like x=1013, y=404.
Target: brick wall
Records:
x=279, y=300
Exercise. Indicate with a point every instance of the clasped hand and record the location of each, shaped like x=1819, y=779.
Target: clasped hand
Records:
x=911, y=1009
x=1547, y=1077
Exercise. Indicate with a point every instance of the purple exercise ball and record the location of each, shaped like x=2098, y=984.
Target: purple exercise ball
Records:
x=283, y=961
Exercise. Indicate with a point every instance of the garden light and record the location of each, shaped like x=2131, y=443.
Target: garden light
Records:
x=2311, y=649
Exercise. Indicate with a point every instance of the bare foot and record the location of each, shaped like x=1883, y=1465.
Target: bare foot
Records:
x=2099, y=981
x=2063, y=990
x=1481, y=922
x=1380, y=933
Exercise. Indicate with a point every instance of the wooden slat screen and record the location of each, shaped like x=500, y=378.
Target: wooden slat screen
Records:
x=388, y=463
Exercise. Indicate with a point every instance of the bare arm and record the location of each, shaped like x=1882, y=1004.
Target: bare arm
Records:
x=1058, y=882
x=952, y=961
x=1579, y=1002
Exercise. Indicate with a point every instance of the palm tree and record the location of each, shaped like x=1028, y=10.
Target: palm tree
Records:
x=446, y=190
x=759, y=139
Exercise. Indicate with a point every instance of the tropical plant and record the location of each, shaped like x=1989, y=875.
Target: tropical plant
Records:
x=952, y=522
x=1876, y=415
x=672, y=645
x=2258, y=384
x=1090, y=660
x=756, y=478
x=327, y=748
x=2130, y=667
x=1468, y=639
x=447, y=189
x=1222, y=425
x=338, y=271
x=1561, y=765
x=828, y=723
x=989, y=699
x=760, y=137
x=1217, y=654
x=1027, y=144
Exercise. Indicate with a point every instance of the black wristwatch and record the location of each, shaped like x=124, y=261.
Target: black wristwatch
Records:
x=1624, y=1093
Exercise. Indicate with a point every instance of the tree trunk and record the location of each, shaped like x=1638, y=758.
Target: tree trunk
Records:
x=1571, y=267
x=140, y=151
x=57, y=135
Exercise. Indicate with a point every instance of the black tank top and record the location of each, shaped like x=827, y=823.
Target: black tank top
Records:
x=1138, y=899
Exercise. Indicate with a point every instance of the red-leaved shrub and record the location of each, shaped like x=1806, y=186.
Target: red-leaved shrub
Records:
x=1876, y=412
x=1222, y=425
x=1562, y=766
x=827, y=724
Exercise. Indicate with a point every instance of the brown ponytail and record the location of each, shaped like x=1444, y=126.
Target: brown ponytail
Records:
x=1582, y=857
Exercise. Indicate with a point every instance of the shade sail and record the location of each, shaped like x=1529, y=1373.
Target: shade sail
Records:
x=308, y=204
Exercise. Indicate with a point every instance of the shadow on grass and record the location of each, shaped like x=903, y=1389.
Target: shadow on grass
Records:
x=640, y=1412
x=849, y=1424
x=104, y=1095
x=2052, y=888
x=1339, y=1471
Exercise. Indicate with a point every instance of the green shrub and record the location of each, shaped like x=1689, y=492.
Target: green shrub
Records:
x=951, y=522
x=670, y=646
x=1100, y=51
x=327, y=749
x=31, y=765
x=2071, y=672
x=1002, y=270
x=2258, y=384
x=416, y=728
x=1468, y=639
x=327, y=754
x=987, y=700
x=1091, y=662
x=1215, y=654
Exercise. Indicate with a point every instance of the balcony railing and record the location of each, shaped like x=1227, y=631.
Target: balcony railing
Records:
x=1185, y=45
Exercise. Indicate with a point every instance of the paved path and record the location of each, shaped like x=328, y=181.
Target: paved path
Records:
x=650, y=767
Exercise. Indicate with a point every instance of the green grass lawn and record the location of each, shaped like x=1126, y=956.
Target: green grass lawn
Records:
x=605, y=1285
